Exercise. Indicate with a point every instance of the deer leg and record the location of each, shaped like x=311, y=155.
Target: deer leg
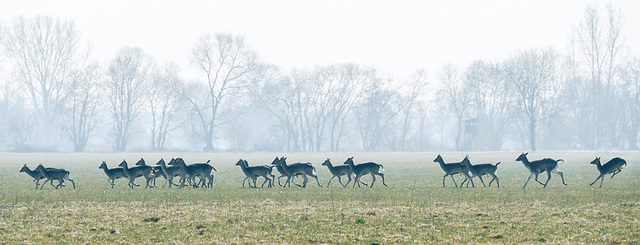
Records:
x=306, y=180
x=356, y=181
x=525, y=183
x=496, y=179
x=167, y=180
x=294, y=181
x=537, y=179
x=43, y=183
x=601, y=181
x=59, y=183
x=382, y=176
x=616, y=172
x=373, y=181
x=348, y=181
x=548, y=178
x=558, y=172
x=596, y=179
x=328, y=183
x=266, y=178
x=72, y=182
x=339, y=181
x=279, y=179
x=480, y=176
x=467, y=177
x=287, y=182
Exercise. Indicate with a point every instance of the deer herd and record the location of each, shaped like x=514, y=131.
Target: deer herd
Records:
x=201, y=174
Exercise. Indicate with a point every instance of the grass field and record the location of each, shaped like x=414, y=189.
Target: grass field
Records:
x=414, y=208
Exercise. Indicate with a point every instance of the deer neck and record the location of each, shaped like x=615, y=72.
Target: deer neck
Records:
x=163, y=166
x=33, y=173
x=106, y=170
x=330, y=166
x=599, y=166
x=243, y=167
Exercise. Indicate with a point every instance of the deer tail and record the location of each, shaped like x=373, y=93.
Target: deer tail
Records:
x=561, y=160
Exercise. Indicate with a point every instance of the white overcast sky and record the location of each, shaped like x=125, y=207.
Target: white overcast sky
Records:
x=396, y=37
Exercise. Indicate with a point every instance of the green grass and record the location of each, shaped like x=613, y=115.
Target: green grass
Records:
x=414, y=208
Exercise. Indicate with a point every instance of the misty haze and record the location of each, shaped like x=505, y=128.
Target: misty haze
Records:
x=223, y=94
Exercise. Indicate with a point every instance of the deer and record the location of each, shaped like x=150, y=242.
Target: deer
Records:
x=135, y=172
x=169, y=172
x=55, y=174
x=283, y=174
x=256, y=171
x=339, y=171
x=365, y=168
x=479, y=170
x=453, y=168
x=197, y=169
x=306, y=169
x=36, y=175
x=113, y=174
x=155, y=172
x=613, y=167
x=539, y=166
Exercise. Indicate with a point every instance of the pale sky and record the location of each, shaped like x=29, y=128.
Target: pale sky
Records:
x=397, y=37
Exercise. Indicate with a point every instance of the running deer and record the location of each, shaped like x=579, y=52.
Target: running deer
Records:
x=613, y=166
x=36, y=175
x=203, y=170
x=339, y=171
x=256, y=171
x=169, y=172
x=479, y=170
x=283, y=174
x=365, y=168
x=296, y=169
x=540, y=166
x=135, y=172
x=453, y=168
x=55, y=174
x=113, y=174
x=155, y=172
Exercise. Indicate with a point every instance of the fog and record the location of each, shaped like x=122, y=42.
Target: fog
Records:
x=226, y=95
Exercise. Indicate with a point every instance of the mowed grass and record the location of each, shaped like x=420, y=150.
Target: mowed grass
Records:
x=414, y=208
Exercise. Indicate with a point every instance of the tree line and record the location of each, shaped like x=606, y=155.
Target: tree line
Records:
x=56, y=97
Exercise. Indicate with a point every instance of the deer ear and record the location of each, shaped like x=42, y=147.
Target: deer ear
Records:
x=527, y=153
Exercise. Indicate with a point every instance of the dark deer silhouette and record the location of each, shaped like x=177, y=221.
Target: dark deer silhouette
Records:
x=253, y=172
x=113, y=173
x=365, y=168
x=539, y=166
x=613, y=166
x=479, y=170
x=453, y=168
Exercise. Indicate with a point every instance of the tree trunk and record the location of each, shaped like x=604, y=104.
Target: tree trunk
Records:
x=532, y=133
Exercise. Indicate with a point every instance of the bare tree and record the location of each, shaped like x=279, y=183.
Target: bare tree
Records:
x=532, y=73
x=452, y=92
x=599, y=42
x=491, y=103
x=377, y=108
x=630, y=78
x=82, y=106
x=164, y=105
x=127, y=86
x=44, y=52
x=413, y=89
x=224, y=61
